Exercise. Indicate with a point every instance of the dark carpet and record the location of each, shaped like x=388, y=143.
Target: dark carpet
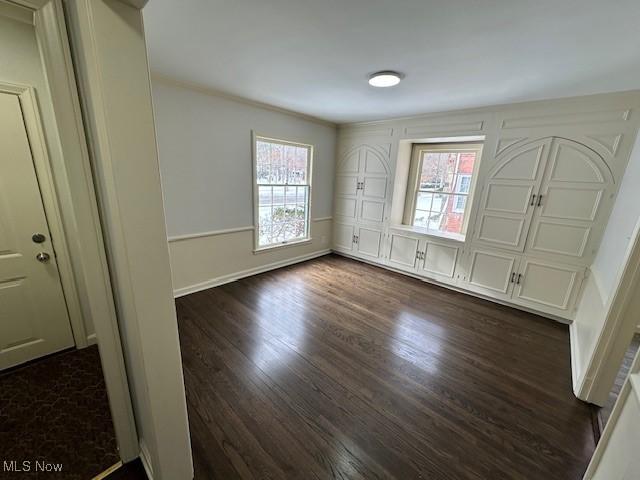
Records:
x=55, y=411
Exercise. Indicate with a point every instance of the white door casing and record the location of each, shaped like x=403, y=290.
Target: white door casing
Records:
x=33, y=315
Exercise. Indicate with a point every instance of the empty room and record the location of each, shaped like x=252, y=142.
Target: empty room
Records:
x=335, y=240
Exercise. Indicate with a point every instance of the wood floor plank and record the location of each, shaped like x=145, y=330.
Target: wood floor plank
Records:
x=338, y=369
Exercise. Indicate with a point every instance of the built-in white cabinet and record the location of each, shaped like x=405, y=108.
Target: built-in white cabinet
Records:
x=545, y=198
x=492, y=273
x=544, y=188
x=361, y=201
x=543, y=285
x=362, y=185
x=423, y=255
x=343, y=237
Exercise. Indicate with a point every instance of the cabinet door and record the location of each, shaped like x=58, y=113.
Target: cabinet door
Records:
x=547, y=286
x=346, y=191
x=343, y=236
x=403, y=251
x=368, y=242
x=374, y=172
x=492, y=273
x=346, y=187
x=507, y=200
x=569, y=212
x=439, y=261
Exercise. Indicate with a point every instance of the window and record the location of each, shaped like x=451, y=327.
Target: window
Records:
x=282, y=192
x=441, y=185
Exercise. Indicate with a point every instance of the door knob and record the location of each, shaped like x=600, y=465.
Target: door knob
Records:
x=38, y=238
x=43, y=257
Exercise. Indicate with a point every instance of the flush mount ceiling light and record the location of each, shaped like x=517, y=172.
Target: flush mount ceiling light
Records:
x=386, y=78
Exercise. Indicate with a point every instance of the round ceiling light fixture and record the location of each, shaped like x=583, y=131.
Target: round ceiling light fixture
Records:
x=385, y=78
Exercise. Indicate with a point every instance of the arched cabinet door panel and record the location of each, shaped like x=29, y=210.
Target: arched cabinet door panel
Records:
x=508, y=202
x=570, y=207
x=362, y=183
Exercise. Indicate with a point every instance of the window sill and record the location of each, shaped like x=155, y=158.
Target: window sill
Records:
x=270, y=248
x=456, y=237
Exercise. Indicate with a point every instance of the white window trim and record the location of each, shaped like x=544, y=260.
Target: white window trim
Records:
x=257, y=248
x=414, y=181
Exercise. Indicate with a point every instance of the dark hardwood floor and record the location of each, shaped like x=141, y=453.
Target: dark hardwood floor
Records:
x=337, y=369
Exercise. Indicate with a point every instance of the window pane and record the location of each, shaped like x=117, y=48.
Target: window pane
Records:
x=264, y=235
x=447, y=177
x=440, y=202
x=423, y=202
x=278, y=195
x=283, y=195
x=298, y=171
x=421, y=218
x=264, y=195
x=291, y=195
x=302, y=194
x=460, y=201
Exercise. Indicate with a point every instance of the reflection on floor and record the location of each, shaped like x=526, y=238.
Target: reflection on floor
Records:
x=605, y=412
x=337, y=369
x=56, y=410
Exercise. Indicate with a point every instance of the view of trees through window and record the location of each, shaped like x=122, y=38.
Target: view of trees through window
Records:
x=282, y=174
x=444, y=183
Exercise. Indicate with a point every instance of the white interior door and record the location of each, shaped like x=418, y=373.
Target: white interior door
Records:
x=508, y=198
x=570, y=203
x=33, y=314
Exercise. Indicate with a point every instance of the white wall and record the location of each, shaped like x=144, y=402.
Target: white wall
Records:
x=20, y=63
x=601, y=285
x=205, y=157
x=623, y=219
x=113, y=75
x=206, y=166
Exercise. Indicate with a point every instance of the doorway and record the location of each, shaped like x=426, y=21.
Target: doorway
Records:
x=34, y=319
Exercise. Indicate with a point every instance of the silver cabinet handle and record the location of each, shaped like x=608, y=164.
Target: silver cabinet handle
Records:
x=519, y=279
x=539, y=200
x=513, y=277
x=533, y=200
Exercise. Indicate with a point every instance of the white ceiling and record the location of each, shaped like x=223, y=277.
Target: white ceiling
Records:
x=314, y=56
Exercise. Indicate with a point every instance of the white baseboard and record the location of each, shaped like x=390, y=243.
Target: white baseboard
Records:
x=575, y=358
x=431, y=281
x=232, y=277
x=92, y=339
x=145, y=458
